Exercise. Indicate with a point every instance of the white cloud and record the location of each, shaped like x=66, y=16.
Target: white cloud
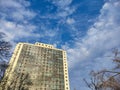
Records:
x=9, y=4
x=50, y=33
x=70, y=21
x=92, y=52
x=16, y=31
x=61, y=3
x=14, y=21
x=100, y=38
x=66, y=11
x=63, y=8
x=16, y=9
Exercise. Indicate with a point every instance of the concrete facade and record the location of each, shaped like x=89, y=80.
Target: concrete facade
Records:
x=41, y=64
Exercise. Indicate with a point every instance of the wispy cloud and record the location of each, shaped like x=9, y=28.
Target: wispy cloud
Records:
x=91, y=52
x=14, y=21
x=16, y=31
x=64, y=8
x=70, y=21
x=102, y=36
x=16, y=10
x=83, y=54
x=61, y=3
x=55, y=22
x=16, y=17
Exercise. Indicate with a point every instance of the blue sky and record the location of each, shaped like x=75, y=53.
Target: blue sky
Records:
x=86, y=29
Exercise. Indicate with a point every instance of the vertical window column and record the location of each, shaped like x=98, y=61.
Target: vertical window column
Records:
x=65, y=71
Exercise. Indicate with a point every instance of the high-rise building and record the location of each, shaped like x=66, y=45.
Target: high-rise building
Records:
x=37, y=67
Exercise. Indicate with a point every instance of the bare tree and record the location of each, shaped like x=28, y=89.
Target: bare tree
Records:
x=24, y=81
x=3, y=66
x=106, y=79
x=5, y=47
x=95, y=82
x=5, y=53
x=20, y=81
